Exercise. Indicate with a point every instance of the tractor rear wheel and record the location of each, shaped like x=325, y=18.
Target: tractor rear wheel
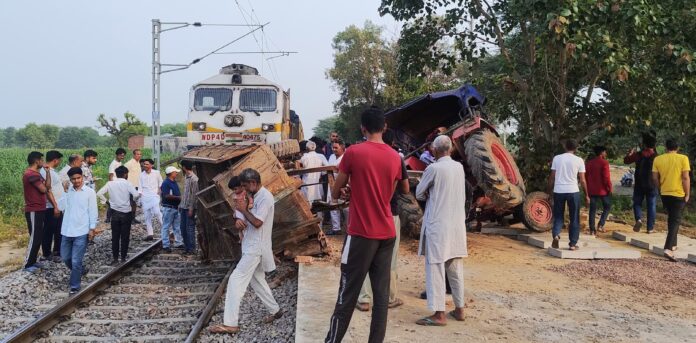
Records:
x=284, y=148
x=410, y=214
x=494, y=169
x=537, y=212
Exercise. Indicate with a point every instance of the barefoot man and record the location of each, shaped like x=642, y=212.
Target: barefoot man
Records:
x=257, y=254
x=443, y=235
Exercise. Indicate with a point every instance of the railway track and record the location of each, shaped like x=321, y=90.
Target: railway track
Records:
x=152, y=297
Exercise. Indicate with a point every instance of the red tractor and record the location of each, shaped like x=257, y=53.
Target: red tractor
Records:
x=495, y=188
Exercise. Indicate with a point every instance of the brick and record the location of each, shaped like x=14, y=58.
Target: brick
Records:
x=523, y=238
x=304, y=259
x=614, y=253
x=581, y=254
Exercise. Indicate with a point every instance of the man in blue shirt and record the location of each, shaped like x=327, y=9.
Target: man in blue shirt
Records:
x=171, y=197
x=79, y=206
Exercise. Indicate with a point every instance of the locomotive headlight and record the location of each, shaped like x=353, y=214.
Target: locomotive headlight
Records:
x=238, y=120
x=229, y=120
x=199, y=126
x=267, y=127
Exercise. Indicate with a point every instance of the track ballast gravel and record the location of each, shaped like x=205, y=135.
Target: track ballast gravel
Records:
x=652, y=275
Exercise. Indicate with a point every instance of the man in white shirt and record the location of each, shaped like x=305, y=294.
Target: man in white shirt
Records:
x=150, y=183
x=134, y=170
x=79, y=205
x=566, y=170
x=443, y=235
x=74, y=160
x=120, y=193
x=312, y=160
x=117, y=162
x=339, y=148
x=50, y=246
x=257, y=255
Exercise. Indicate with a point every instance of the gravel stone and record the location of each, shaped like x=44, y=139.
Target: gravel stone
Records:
x=650, y=275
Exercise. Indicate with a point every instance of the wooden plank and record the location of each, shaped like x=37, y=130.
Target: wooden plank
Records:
x=302, y=171
x=217, y=154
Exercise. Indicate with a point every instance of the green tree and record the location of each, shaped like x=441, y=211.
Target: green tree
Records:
x=362, y=63
x=177, y=130
x=72, y=137
x=129, y=127
x=38, y=136
x=547, y=62
x=326, y=126
x=9, y=137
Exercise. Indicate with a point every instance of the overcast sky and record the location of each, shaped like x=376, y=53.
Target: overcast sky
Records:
x=64, y=62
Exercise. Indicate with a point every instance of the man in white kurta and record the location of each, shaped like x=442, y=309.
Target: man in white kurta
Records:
x=443, y=234
x=150, y=183
x=339, y=148
x=257, y=255
x=312, y=160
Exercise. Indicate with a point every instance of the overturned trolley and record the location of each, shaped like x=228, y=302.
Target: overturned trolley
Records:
x=295, y=229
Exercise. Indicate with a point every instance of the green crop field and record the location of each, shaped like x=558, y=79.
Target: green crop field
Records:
x=13, y=162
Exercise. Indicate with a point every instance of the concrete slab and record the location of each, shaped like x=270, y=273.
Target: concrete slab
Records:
x=502, y=231
x=620, y=236
x=315, y=301
x=544, y=240
x=615, y=253
x=582, y=254
x=680, y=253
x=644, y=243
x=691, y=258
x=594, y=253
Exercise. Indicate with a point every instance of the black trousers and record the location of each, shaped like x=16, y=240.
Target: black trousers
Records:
x=120, y=233
x=35, y=225
x=360, y=256
x=109, y=212
x=51, y=238
x=674, y=206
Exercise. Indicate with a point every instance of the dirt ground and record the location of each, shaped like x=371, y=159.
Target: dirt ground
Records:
x=515, y=294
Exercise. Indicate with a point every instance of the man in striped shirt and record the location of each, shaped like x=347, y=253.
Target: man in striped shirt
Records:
x=187, y=208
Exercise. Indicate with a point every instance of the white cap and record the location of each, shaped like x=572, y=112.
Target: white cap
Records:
x=171, y=169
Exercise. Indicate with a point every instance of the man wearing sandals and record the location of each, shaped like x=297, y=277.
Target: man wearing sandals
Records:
x=566, y=170
x=257, y=254
x=670, y=172
x=443, y=235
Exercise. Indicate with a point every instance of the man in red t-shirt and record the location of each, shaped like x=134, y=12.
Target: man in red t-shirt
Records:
x=35, y=190
x=373, y=168
x=599, y=187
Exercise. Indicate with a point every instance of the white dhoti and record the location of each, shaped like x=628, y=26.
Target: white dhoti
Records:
x=249, y=270
x=435, y=283
x=151, y=211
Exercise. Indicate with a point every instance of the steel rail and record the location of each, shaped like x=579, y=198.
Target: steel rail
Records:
x=208, y=310
x=37, y=328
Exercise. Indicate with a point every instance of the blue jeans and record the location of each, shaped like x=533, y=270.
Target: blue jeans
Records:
x=172, y=220
x=651, y=199
x=72, y=251
x=188, y=229
x=559, y=202
x=606, y=204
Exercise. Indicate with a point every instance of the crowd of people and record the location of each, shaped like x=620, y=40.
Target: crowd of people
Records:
x=666, y=174
x=62, y=214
